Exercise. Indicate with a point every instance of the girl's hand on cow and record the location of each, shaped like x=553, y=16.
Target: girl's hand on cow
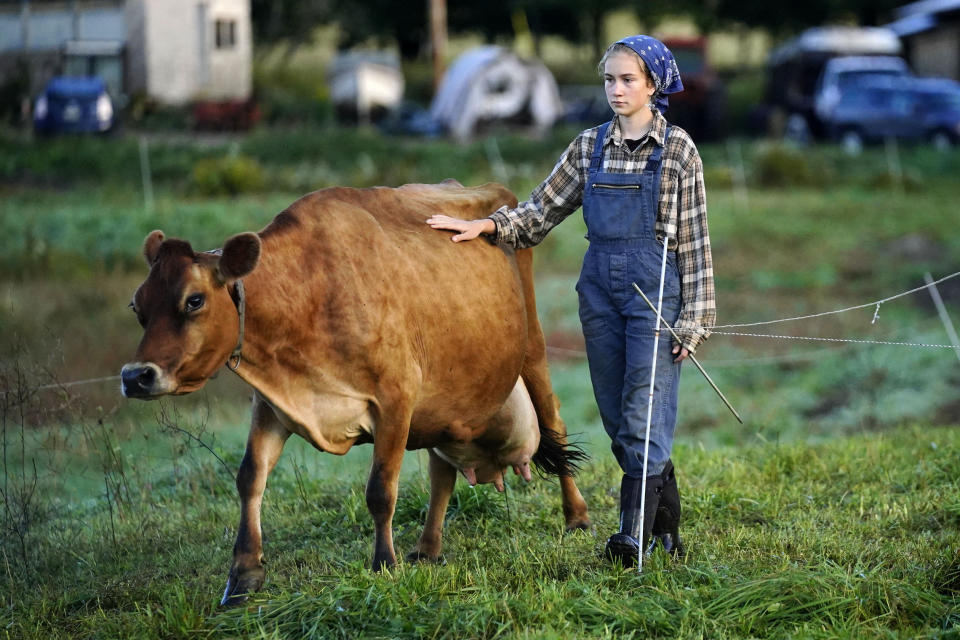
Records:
x=466, y=229
x=681, y=353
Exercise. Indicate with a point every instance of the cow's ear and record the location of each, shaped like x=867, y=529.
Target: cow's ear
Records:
x=239, y=257
x=151, y=246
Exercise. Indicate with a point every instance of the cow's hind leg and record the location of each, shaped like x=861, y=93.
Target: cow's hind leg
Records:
x=389, y=444
x=264, y=445
x=536, y=376
x=443, y=477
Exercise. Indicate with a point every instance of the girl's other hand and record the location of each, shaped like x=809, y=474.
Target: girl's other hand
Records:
x=680, y=352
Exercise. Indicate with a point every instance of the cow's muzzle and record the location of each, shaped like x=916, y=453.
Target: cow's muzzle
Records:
x=142, y=380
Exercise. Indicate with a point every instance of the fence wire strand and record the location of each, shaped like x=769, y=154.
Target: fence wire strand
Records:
x=876, y=304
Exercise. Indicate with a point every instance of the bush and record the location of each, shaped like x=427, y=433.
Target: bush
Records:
x=906, y=181
x=229, y=175
x=778, y=165
x=281, y=106
x=149, y=114
x=718, y=177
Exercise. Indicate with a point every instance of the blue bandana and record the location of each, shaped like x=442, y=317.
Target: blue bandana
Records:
x=661, y=64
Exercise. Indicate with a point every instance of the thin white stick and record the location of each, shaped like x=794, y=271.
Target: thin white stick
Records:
x=739, y=175
x=653, y=377
x=146, y=176
x=942, y=310
x=893, y=162
x=495, y=159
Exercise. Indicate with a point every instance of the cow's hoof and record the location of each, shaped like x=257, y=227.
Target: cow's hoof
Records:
x=579, y=525
x=384, y=564
x=240, y=584
x=417, y=556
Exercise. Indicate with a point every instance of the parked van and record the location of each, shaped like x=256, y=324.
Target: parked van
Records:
x=917, y=110
x=795, y=74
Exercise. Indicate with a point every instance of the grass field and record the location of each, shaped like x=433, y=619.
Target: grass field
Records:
x=833, y=512
x=857, y=537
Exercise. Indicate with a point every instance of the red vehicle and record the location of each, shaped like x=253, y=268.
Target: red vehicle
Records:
x=701, y=107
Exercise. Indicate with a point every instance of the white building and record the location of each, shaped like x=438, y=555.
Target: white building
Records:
x=930, y=31
x=174, y=51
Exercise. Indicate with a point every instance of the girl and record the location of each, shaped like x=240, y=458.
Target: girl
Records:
x=638, y=179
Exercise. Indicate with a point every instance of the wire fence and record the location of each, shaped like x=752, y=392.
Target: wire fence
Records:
x=930, y=286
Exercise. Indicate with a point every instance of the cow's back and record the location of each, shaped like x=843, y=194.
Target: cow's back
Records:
x=386, y=295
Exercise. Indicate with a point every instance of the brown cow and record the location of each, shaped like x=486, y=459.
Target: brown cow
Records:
x=355, y=322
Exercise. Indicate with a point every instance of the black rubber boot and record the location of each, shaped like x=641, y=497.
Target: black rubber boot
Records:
x=625, y=545
x=666, y=524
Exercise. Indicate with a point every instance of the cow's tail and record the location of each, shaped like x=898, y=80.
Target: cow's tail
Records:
x=556, y=457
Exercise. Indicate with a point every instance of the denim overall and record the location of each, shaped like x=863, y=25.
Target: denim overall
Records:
x=620, y=210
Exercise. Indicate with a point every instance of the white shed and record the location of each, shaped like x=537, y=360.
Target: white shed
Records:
x=183, y=50
x=174, y=51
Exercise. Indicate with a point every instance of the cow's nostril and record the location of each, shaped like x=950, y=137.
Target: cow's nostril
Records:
x=139, y=381
x=146, y=377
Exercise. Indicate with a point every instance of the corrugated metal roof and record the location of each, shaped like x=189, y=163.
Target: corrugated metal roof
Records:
x=913, y=24
x=926, y=7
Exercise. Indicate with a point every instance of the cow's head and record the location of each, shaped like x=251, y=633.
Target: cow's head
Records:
x=189, y=318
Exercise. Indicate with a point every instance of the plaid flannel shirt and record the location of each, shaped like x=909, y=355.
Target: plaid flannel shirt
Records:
x=682, y=214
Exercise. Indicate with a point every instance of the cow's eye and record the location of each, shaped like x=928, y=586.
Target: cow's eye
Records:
x=194, y=302
x=132, y=307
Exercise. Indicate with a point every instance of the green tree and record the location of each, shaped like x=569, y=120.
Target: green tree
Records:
x=291, y=21
x=781, y=19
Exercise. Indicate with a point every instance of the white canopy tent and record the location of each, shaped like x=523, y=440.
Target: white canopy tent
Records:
x=491, y=83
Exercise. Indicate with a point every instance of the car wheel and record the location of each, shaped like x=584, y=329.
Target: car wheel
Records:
x=852, y=142
x=941, y=141
x=797, y=130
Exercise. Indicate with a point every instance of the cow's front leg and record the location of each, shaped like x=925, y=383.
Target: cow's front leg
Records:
x=264, y=445
x=389, y=443
x=443, y=477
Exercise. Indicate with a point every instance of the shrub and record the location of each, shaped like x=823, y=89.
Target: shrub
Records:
x=229, y=175
x=718, y=177
x=910, y=181
x=778, y=165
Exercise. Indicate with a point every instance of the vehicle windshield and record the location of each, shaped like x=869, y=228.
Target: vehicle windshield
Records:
x=853, y=78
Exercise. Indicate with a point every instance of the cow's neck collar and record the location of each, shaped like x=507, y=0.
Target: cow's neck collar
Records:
x=240, y=299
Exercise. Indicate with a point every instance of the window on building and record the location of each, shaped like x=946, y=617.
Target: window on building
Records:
x=226, y=34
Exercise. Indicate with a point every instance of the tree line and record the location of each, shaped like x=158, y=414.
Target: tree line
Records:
x=293, y=21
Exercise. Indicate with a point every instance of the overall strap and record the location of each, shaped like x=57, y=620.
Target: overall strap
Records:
x=597, y=156
x=653, y=162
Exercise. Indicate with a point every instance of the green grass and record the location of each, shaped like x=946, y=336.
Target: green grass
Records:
x=857, y=537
